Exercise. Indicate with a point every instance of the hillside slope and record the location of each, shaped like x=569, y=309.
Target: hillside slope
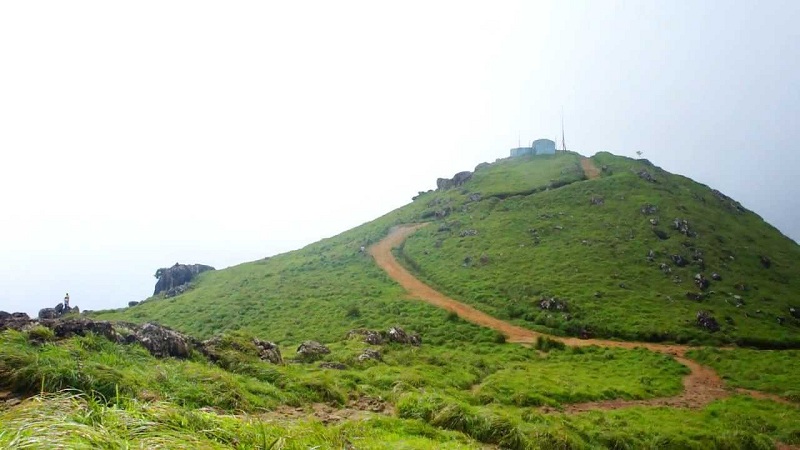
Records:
x=518, y=231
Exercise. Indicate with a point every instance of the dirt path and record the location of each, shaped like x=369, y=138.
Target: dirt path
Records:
x=591, y=171
x=701, y=386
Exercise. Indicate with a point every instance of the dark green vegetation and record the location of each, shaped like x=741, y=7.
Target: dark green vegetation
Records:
x=536, y=234
x=772, y=371
x=121, y=396
x=558, y=243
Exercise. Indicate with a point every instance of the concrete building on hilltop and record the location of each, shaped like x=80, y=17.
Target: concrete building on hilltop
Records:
x=538, y=147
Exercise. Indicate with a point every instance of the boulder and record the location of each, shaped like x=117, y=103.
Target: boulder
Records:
x=476, y=197
x=458, y=179
x=268, y=351
x=716, y=277
x=696, y=296
x=552, y=304
x=466, y=233
x=370, y=354
x=312, y=350
x=794, y=312
x=398, y=335
x=646, y=176
x=371, y=337
x=661, y=234
x=765, y=261
x=132, y=304
x=65, y=328
x=682, y=225
x=707, y=321
x=169, y=278
x=596, y=201
x=14, y=321
x=648, y=209
x=701, y=282
x=679, y=260
x=48, y=313
x=162, y=342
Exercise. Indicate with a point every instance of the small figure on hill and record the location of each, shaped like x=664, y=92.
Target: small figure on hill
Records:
x=66, y=302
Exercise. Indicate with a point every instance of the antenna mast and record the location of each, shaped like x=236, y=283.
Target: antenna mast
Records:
x=563, y=142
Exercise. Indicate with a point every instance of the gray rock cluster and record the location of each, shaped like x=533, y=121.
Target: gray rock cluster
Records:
x=553, y=304
x=311, y=350
x=458, y=179
x=707, y=321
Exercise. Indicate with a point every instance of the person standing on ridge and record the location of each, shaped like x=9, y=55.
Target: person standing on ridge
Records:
x=66, y=301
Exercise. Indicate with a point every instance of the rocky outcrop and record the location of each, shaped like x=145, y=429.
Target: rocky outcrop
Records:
x=56, y=311
x=161, y=341
x=370, y=354
x=398, y=335
x=394, y=334
x=458, y=179
x=177, y=275
x=310, y=350
x=371, y=337
x=707, y=321
x=552, y=304
x=14, y=321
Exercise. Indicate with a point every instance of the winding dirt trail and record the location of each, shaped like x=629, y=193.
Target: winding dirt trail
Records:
x=701, y=386
x=591, y=171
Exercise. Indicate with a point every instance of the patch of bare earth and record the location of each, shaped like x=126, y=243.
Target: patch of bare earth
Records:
x=591, y=171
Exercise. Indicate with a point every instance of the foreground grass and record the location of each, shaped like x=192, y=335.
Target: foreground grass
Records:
x=80, y=422
x=445, y=397
x=777, y=372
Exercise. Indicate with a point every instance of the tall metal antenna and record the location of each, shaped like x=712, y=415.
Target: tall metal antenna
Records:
x=563, y=142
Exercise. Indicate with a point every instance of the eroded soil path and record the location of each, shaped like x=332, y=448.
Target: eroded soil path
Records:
x=590, y=169
x=701, y=386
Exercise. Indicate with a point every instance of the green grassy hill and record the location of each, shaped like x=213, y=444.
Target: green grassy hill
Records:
x=518, y=231
x=538, y=234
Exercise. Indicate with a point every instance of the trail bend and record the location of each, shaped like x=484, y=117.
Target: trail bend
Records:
x=702, y=386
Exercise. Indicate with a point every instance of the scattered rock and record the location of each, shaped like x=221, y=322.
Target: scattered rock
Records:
x=794, y=312
x=484, y=260
x=716, y=277
x=553, y=304
x=371, y=337
x=661, y=234
x=598, y=294
x=654, y=221
x=596, y=201
x=696, y=296
x=707, y=321
x=665, y=268
x=476, y=197
x=741, y=287
x=682, y=225
x=332, y=365
x=701, y=282
x=780, y=320
x=765, y=261
x=370, y=354
x=645, y=175
x=738, y=300
x=649, y=209
x=397, y=334
x=466, y=233
x=679, y=260
x=467, y=261
x=169, y=278
x=312, y=350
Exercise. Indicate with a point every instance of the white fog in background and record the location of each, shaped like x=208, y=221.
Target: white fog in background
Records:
x=136, y=135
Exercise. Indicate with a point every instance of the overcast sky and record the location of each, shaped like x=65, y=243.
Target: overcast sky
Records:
x=137, y=134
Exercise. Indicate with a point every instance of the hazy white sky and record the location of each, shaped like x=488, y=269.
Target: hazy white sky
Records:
x=134, y=135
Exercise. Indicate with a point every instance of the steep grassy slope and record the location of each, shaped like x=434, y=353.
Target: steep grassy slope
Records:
x=505, y=255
